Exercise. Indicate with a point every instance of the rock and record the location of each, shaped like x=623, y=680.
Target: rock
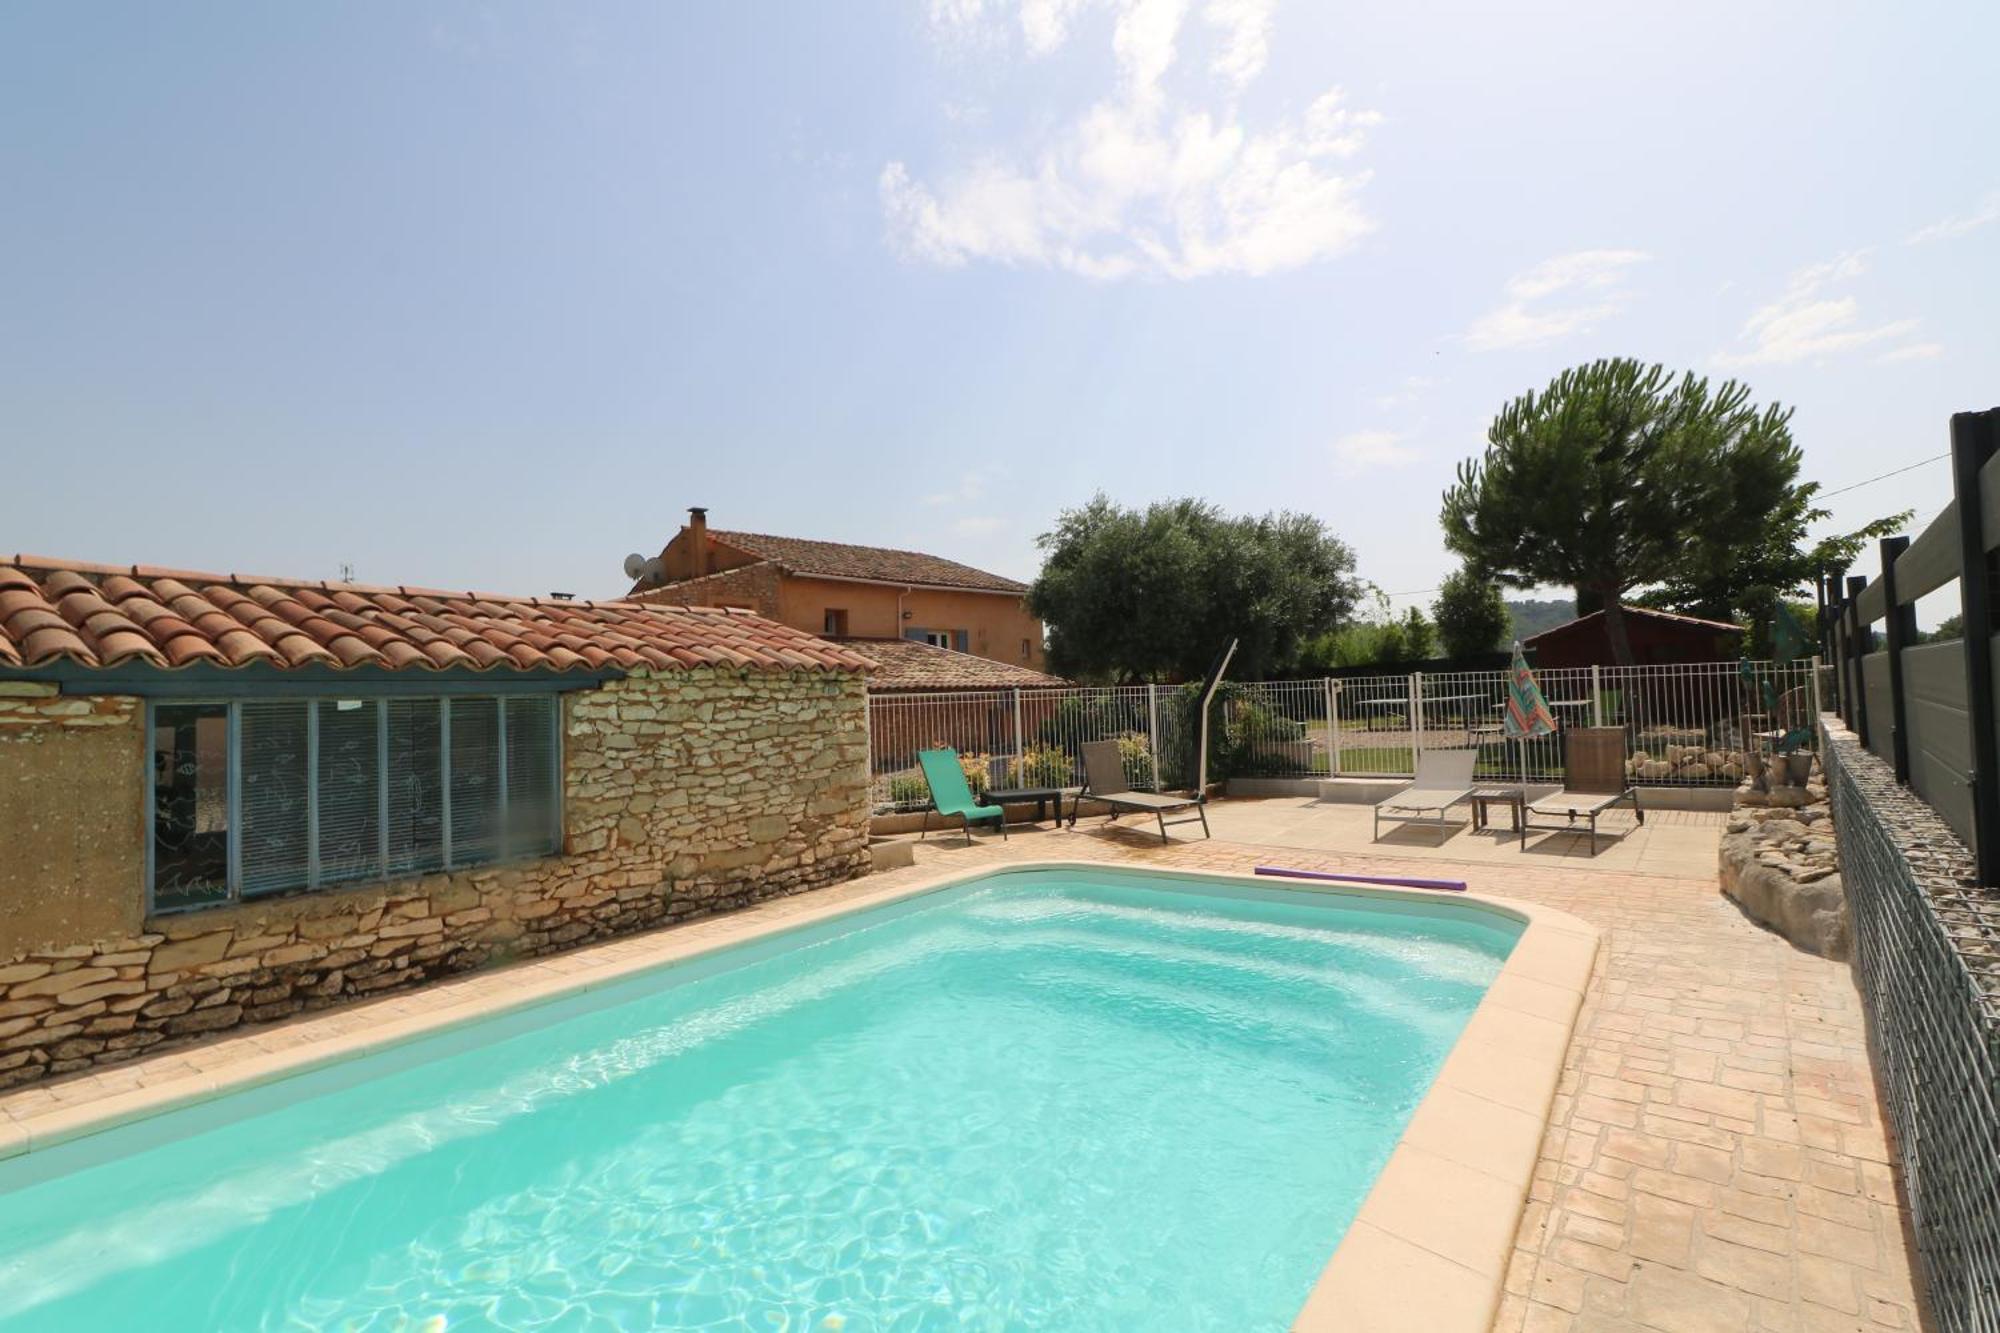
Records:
x=1809, y=907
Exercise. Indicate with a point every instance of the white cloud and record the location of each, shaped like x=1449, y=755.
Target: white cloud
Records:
x=1567, y=294
x=1365, y=450
x=978, y=525
x=1810, y=321
x=1246, y=41
x=1143, y=180
x=1045, y=23
x=1407, y=392
x=970, y=487
x=1951, y=228
x=1914, y=352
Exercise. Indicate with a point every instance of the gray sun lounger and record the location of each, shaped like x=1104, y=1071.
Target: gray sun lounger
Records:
x=1104, y=780
x=1444, y=778
x=1594, y=782
x=1574, y=806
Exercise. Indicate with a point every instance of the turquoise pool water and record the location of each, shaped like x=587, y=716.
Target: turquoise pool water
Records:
x=1052, y=1100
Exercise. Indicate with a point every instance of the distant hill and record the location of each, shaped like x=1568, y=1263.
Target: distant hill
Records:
x=1532, y=617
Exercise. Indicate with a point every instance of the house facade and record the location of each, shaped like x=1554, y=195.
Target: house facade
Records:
x=839, y=591
x=225, y=799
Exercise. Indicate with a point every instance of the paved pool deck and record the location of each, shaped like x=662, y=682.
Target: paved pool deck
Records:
x=1715, y=1157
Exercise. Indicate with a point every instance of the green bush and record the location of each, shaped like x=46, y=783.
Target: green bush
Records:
x=1136, y=757
x=909, y=790
x=1043, y=766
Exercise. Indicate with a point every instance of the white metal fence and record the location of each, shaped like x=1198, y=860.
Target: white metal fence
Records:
x=1686, y=725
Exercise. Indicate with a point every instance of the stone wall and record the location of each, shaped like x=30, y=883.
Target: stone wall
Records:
x=72, y=822
x=686, y=793
x=1779, y=862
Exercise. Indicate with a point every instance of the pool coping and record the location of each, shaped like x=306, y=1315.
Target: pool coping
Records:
x=1428, y=1248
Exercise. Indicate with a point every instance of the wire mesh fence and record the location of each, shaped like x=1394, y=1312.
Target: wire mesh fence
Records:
x=1686, y=725
x=1927, y=963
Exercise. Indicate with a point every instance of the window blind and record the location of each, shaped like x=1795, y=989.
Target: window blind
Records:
x=415, y=770
x=475, y=780
x=276, y=788
x=531, y=775
x=349, y=792
x=269, y=795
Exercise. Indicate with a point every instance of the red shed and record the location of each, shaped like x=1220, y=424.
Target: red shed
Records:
x=1658, y=638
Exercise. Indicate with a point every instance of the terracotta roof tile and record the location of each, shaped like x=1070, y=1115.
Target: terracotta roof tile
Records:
x=101, y=615
x=905, y=664
x=878, y=563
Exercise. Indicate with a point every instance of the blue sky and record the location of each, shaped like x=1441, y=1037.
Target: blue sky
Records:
x=486, y=295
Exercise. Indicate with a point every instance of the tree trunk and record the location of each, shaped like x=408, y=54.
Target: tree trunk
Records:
x=1615, y=629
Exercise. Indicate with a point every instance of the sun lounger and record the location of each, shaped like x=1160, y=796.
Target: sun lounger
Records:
x=1104, y=780
x=952, y=795
x=1444, y=778
x=1578, y=805
x=1593, y=782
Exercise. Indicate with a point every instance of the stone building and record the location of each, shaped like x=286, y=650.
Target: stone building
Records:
x=224, y=798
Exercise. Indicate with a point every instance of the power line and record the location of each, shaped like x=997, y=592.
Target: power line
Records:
x=1922, y=462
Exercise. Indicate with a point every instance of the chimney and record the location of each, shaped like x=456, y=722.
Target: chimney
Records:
x=698, y=538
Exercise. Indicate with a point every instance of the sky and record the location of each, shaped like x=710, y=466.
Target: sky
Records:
x=485, y=295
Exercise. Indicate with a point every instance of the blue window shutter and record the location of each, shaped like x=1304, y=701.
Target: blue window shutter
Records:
x=915, y=634
x=961, y=641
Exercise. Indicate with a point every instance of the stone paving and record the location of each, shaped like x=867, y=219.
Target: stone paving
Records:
x=1715, y=1158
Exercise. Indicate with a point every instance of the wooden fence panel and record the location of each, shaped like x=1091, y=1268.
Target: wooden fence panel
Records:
x=1989, y=501
x=1932, y=560
x=1940, y=741
x=1875, y=698
x=1872, y=603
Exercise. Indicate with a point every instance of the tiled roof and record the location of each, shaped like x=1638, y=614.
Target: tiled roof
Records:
x=905, y=664
x=1644, y=612
x=54, y=611
x=839, y=560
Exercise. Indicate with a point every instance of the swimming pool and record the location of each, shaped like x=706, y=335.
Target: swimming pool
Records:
x=1070, y=1098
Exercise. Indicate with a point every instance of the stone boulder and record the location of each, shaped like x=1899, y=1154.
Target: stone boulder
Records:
x=1779, y=865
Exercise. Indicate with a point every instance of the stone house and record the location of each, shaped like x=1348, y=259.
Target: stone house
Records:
x=841, y=591
x=225, y=798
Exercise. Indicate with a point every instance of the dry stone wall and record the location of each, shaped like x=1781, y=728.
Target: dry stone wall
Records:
x=686, y=793
x=1778, y=857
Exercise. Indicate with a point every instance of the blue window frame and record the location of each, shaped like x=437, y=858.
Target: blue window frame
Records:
x=257, y=796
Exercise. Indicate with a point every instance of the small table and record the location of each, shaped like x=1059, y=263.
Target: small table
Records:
x=1514, y=798
x=1041, y=796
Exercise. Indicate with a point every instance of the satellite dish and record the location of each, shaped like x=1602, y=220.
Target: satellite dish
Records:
x=652, y=570
x=634, y=563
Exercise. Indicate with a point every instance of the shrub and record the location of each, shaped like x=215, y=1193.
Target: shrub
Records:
x=908, y=790
x=1043, y=766
x=1136, y=757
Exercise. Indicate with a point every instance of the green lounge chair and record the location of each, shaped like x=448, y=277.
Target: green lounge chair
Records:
x=952, y=795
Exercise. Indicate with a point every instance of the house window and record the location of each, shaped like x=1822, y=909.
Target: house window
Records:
x=937, y=638
x=835, y=626
x=1027, y=651
x=270, y=796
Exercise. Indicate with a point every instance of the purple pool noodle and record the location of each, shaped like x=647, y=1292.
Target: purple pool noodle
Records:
x=1449, y=885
